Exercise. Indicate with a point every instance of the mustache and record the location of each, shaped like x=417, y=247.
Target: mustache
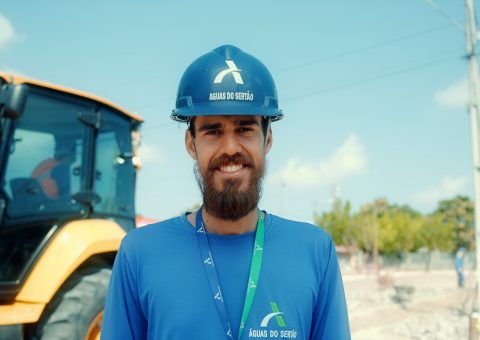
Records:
x=238, y=158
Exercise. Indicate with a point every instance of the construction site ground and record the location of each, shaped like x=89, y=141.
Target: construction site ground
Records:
x=398, y=305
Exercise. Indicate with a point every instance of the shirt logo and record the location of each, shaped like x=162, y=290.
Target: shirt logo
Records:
x=232, y=68
x=275, y=314
x=272, y=330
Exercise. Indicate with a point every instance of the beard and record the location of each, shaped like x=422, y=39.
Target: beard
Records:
x=230, y=203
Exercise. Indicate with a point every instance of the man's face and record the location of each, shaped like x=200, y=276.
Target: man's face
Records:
x=230, y=153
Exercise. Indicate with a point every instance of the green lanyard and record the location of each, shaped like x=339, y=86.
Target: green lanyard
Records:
x=255, y=267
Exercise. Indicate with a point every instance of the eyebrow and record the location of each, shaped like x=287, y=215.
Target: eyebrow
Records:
x=206, y=127
x=246, y=122
x=214, y=126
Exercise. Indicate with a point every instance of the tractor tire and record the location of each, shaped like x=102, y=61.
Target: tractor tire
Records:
x=76, y=311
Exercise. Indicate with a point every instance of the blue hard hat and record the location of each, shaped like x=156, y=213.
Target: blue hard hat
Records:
x=226, y=81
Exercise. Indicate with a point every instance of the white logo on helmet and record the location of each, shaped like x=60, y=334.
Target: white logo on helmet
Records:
x=232, y=68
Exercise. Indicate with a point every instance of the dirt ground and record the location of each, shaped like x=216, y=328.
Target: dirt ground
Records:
x=408, y=305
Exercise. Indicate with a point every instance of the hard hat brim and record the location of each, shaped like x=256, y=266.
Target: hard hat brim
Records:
x=185, y=114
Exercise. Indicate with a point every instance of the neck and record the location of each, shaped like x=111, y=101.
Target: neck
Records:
x=222, y=227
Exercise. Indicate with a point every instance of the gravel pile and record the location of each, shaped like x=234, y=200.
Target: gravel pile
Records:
x=423, y=306
x=434, y=326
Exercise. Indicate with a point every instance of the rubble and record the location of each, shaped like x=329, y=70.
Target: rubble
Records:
x=413, y=305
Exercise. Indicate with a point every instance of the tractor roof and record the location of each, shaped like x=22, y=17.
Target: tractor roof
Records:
x=15, y=79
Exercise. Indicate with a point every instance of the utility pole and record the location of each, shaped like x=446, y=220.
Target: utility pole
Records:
x=375, y=236
x=473, y=107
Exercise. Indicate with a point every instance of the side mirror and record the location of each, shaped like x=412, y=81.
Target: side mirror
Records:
x=12, y=100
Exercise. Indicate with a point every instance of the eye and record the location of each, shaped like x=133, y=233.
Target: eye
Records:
x=212, y=132
x=245, y=129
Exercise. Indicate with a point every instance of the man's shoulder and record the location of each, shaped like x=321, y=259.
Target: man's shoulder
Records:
x=154, y=232
x=299, y=230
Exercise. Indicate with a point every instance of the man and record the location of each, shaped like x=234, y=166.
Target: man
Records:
x=53, y=174
x=228, y=270
x=459, y=266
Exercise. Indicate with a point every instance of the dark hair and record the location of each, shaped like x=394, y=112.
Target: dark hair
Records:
x=265, y=120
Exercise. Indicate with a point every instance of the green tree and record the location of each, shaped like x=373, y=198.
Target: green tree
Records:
x=458, y=214
x=386, y=228
x=391, y=229
x=435, y=234
x=338, y=223
x=398, y=231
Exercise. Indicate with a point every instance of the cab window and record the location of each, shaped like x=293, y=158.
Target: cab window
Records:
x=45, y=158
x=114, y=171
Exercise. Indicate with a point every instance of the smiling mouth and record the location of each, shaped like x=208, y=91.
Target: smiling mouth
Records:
x=232, y=165
x=230, y=168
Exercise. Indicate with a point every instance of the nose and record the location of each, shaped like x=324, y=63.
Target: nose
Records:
x=230, y=144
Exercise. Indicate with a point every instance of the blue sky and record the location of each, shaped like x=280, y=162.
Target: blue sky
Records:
x=374, y=92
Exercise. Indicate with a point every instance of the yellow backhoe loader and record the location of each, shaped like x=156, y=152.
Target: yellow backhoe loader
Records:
x=67, y=168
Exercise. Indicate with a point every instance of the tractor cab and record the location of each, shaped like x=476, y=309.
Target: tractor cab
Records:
x=65, y=156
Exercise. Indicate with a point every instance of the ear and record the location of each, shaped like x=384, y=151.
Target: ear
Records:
x=268, y=141
x=190, y=145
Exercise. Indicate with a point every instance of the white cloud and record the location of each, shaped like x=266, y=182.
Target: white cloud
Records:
x=448, y=188
x=455, y=96
x=7, y=32
x=346, y=161
x=151, y=154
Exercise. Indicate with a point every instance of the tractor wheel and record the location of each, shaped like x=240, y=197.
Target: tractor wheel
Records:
x=76, y=311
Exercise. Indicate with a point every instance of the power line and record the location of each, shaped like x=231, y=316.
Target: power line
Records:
x=362, y=49
x=439, y=58
x=368, y=79
x=330, y=57
x=452, y=21
x=367, y=74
